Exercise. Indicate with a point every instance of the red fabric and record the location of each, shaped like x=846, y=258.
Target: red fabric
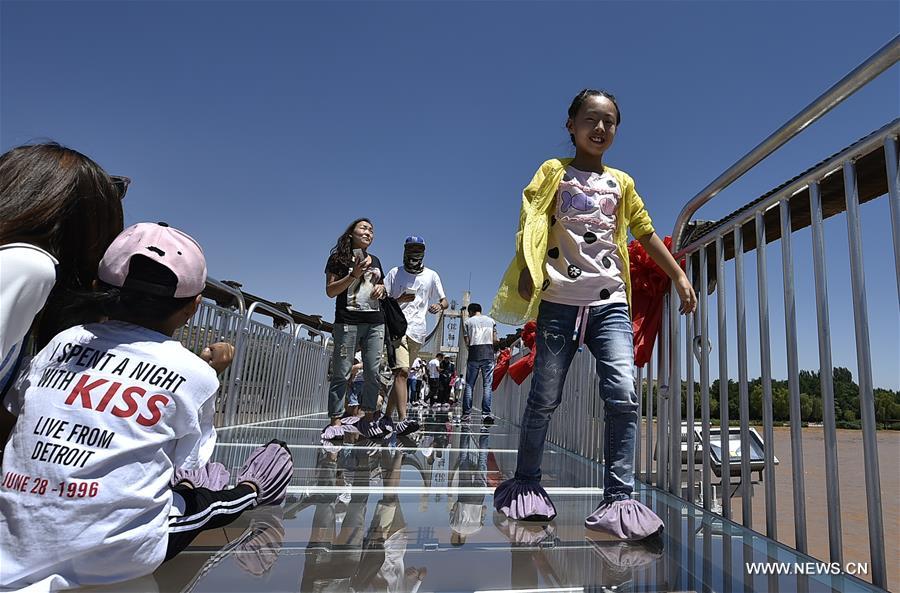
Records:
x=649, y=284
x=501, y=367
x=520, y=369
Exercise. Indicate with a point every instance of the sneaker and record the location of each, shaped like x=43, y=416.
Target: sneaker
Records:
x=467, y=418
x=370, y=429
x=387, y=423
x=488, y=419
x=406, y=444
x=269, y=468
x=407, y=426
x=445, y=408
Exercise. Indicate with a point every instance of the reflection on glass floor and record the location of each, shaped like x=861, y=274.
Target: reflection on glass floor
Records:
x=415, y=514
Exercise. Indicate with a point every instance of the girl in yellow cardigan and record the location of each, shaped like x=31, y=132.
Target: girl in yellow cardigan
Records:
x=571, y=271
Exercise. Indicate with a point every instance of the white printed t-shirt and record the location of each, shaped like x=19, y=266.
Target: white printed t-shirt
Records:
x=27, y=276
x=480, y=332
x=582, y=261
x=428, y=290
x=106, y=412
x=434, y=369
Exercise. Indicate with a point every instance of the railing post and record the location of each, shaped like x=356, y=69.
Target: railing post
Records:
x=790, y=337
x=674, y=394
x=704, y=379
x=765, y=363
x=893, y=179
x=826, y=376
x=722, y=337
x=864, y=368
x=743, y=390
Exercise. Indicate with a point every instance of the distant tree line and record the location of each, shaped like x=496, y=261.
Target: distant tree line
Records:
x=846, y=401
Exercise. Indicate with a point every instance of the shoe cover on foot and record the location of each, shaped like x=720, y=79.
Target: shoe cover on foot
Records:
x=525, y=501
x=338, y=431
x=213, y=476
x=269, y=468
x=627, y=520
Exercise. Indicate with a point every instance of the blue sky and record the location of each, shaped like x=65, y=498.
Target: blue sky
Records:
x=263, y=128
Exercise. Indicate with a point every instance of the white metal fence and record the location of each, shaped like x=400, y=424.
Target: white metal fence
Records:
x=276, y=373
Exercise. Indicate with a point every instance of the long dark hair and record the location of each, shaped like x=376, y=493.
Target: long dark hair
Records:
x=63, y=202
x=343, y=249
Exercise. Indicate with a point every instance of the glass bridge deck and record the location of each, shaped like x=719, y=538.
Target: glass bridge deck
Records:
x=416, y=514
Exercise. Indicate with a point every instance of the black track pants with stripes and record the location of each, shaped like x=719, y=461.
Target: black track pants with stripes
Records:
x=206, y=509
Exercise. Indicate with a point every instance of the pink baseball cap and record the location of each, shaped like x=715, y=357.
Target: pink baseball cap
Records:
x=162, y=244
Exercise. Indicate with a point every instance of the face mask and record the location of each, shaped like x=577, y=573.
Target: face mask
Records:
x=413, y=261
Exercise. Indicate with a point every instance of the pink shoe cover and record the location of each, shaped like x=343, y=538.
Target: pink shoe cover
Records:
x=213, y=476
x=627, y=520
x=338, y=431
x=269, y=468
x=525, y=501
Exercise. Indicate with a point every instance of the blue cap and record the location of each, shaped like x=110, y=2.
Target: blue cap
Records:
x=415, y=240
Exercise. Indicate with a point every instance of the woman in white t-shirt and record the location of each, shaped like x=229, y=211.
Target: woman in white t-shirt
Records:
x=59, y=211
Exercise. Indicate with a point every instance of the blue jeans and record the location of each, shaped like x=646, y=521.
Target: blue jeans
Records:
x=609, y=337
x=346, y=336
x=356, y=389
x=487, y=377
x=411, y=385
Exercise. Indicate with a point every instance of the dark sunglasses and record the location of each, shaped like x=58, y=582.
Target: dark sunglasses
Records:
x=121, y=184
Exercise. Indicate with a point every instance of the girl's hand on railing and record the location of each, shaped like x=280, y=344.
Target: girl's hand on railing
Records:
x=218, y=355
x=687, y=294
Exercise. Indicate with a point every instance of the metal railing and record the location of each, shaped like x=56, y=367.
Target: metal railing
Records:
x=276, y=373
x=665, y=449
x=751, y=228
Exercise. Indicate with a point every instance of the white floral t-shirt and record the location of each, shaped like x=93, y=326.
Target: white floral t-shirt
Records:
x=582, y=261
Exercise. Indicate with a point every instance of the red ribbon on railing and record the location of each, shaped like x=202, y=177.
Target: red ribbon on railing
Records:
x=500, y=367
x=649, y=284
x=520, y=369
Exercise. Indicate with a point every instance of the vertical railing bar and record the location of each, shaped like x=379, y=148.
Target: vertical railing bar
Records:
x=704, y=379
x=662, y=444
x=639, y=388
x=765, y=363
x=743, y=389
x=826, y=376
x=893, y=180
x=674, y=394
x=790, y=336
x=864, y=368
x=722, y=338
x=689, y=379
x=649, y=440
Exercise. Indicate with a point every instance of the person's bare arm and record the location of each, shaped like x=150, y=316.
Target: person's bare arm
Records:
x=659, y=253
x=335, y=285
x=438, y=306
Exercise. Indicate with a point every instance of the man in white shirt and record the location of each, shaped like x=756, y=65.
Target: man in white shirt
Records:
x=416, y=373
x=419, y=291
x=434, y=375
x=480, y=334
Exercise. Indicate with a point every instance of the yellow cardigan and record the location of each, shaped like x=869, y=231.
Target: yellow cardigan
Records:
x=538, y=201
